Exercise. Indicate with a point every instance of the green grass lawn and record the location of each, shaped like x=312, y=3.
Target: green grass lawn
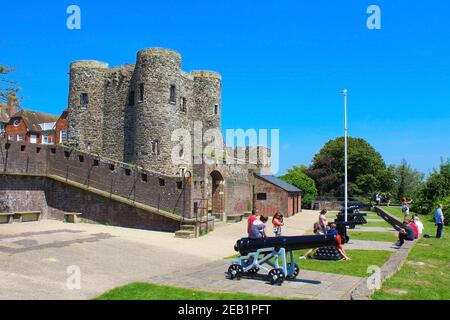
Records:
x=357, y=266
x=147, y=291
x=426, y=273
x=382, y=224
x=373, y=236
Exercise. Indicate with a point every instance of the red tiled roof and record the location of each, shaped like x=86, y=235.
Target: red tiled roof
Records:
x=33, y=119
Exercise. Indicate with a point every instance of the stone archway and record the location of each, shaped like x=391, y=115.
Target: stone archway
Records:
x=217, y=194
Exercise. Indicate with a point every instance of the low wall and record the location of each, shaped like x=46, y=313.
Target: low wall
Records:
x=53, y=199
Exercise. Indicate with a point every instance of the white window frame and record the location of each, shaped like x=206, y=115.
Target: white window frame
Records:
x=31, y=138
x=61, y=134
x=11, y=137
x=45, y=137
x=20, y=138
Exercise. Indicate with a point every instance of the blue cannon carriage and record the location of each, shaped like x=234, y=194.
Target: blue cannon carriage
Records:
x=275, y=256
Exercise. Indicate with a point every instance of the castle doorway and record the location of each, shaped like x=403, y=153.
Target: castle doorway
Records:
x=217, y=195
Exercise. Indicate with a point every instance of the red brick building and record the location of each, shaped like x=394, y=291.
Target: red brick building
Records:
x=6, y=111
x=273, y=194
x=61, y=128
x=32, y=127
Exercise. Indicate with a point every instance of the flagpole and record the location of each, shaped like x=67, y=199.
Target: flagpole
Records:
x=345, y=93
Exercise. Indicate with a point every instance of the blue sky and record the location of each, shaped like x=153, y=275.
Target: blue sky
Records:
x=283, y=64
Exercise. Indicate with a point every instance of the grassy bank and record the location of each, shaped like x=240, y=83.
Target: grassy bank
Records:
x=426, y=273
x=147, y=291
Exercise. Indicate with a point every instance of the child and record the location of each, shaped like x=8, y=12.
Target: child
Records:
x=277, y=223
x=333, y=232
x=318, y=232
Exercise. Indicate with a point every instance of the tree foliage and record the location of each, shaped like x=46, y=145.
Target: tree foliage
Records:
x=8, y=87
x=298, y=178
x=407, y=180
x=367, y=171
x=435, y=191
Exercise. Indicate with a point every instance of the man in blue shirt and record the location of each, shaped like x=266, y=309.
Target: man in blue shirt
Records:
x=439, y=218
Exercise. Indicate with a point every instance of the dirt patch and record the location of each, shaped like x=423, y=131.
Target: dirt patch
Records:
x=416, y=263
x=400, y=292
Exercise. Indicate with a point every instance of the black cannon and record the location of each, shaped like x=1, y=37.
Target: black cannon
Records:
x=355, y=218
x=256, y=253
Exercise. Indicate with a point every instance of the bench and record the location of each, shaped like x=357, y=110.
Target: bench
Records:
x=27, y=216
x=6, y=218
x=72, y=217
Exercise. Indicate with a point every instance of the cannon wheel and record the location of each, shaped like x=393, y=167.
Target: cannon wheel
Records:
x=235, y=271
x=276, y=276
x=296, y=271
x=254, y=270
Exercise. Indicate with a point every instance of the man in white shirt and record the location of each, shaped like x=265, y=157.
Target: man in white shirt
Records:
x=419, y=224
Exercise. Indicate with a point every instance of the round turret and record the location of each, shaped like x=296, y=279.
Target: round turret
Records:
x=158, y=87
x=208, y=98
x=86, y=99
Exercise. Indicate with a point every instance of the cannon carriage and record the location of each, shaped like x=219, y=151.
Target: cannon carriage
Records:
x=275, y=256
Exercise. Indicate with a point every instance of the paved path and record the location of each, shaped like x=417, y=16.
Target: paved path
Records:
x=34, y=256
x=308, y=285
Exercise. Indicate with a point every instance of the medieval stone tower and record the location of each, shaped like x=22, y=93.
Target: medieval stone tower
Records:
x=128, y=113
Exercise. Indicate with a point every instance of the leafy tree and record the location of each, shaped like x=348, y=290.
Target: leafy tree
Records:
x=298, y=178
x=407, y=180
x=8, y=88
x=366, y=184
x=327, y=168
x=435, y=191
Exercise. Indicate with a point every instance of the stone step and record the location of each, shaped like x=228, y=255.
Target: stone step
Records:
x=235, y=218
x=184, y=234
x=217, y=216
x=187, y=227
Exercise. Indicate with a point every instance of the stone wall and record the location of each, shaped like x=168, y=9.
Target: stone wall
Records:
x=53, y=199
x=169, y=194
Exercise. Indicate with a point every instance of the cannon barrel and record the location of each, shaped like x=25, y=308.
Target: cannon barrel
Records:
x=247, y=245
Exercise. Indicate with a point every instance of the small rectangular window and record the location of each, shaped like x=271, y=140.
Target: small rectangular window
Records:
x=155, y=147
x=66, y=154
x=216, y=109
x=162, y=182
x=179, y=185
x=22, y=148
x=53, y=150
x=173, y=94
x=112, y=167
x=81, y=158
x=261, y=196
x=63, y=136
x=141, y=92
x=128, y=172
x=183, y=105
x=144, y=177
x=38, y=150
x=20, y=137
x=96, y=163
x=131, y=98
x=10, y=137
x=84, y=100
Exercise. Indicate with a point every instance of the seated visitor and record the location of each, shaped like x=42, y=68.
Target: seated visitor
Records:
x=258, y=229
x=250, y=221
x=333, y=232
x=407, y=233
x=318, y=232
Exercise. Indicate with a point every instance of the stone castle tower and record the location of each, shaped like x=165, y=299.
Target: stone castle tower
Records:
x=128, y=113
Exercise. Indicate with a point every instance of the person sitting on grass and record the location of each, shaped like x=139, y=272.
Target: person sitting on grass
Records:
x=318, y=232
x=277, y=223
x=258, y=229
x=419, y=224
x=332, y=231
x=406, y=233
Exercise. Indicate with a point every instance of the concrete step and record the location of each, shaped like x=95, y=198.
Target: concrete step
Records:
x=218, y=216
x=235, y=218
x=187, y=227
x=184, y=234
